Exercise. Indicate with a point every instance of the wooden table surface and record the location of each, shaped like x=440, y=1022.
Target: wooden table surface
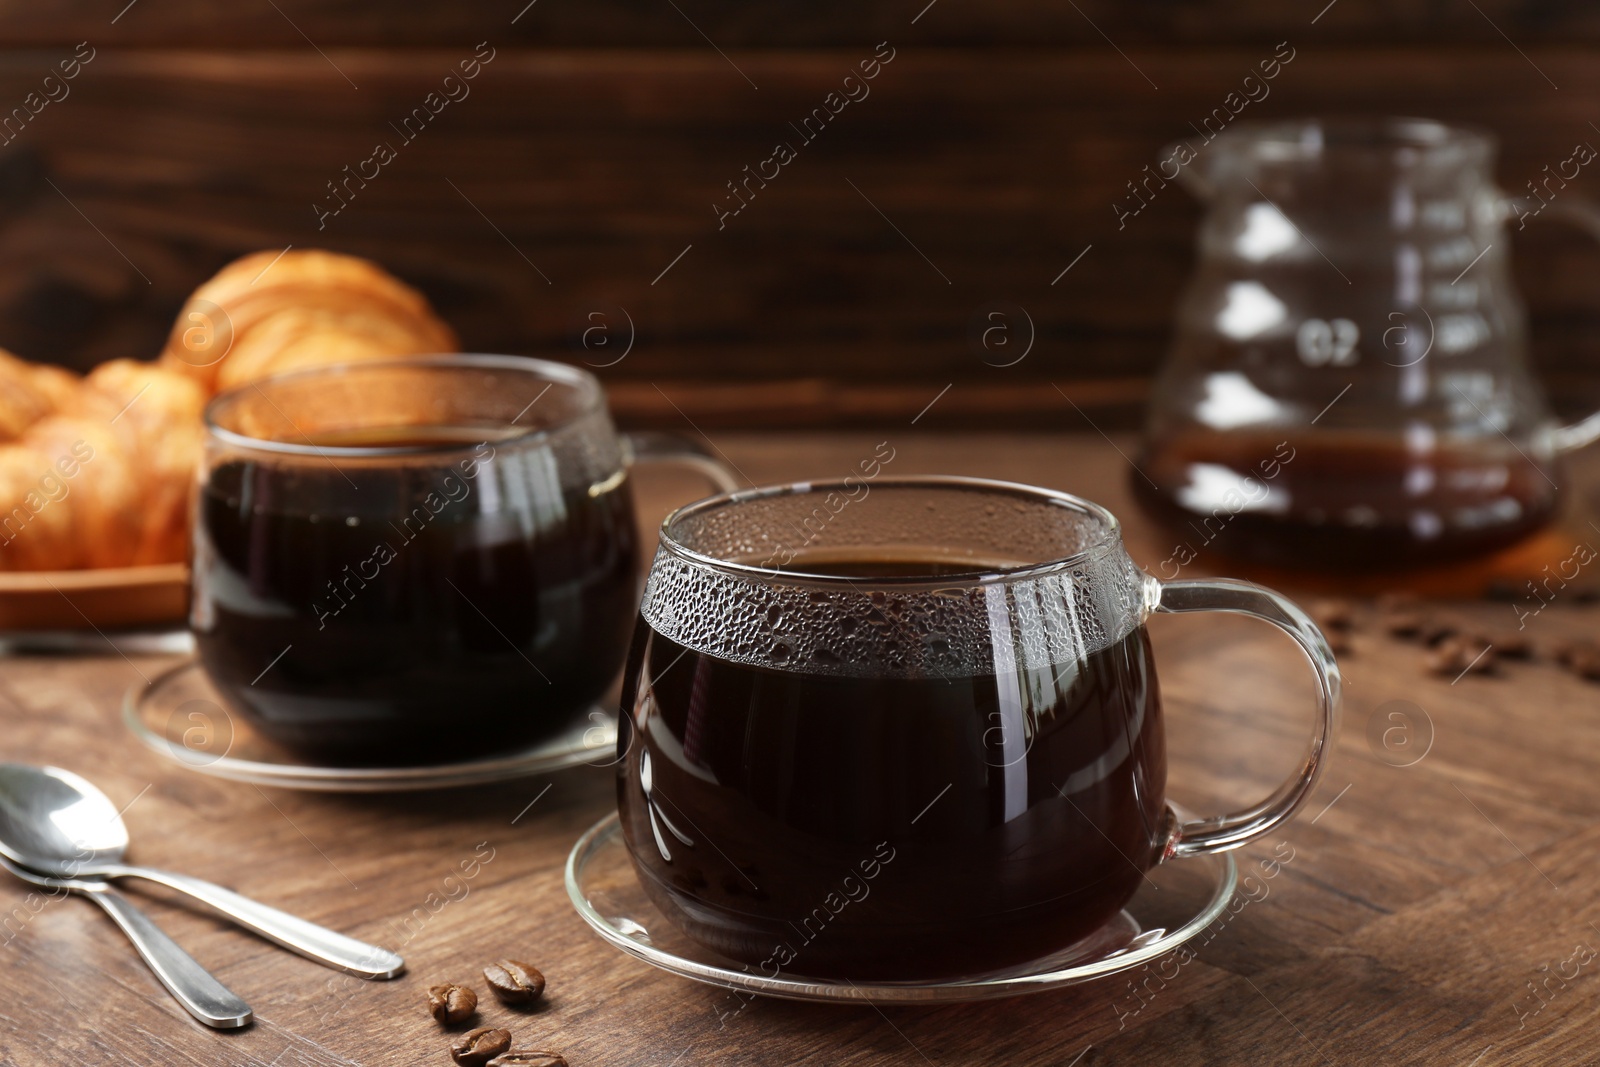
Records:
x=1420, y=903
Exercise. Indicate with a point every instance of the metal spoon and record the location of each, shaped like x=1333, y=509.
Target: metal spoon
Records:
x=194, y=987
x=57, y=823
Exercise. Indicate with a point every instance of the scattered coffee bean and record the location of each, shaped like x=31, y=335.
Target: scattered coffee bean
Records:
x=1454, y=655
x=1581, y=658
x=1404, y=623
x=1434, y=631
x=1484, y=664
x=1568, y=651
x=477, y=1048
x=1334, y=614
x=451, y=1003
x=529, y=1058
x=1507, y=644
x=1338, y=642
x=514, y=982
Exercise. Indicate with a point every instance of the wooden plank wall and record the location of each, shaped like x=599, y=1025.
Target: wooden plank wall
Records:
x=595, y=143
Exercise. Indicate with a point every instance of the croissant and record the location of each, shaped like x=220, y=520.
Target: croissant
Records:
x=268, y=313
x=102, y=500
x=99, y=471
x=24, y=398
x=158, y=413
x=37, y=524
x=58, y=385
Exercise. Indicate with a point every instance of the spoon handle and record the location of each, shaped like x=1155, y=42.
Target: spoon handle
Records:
x=194, y=987
x=292, y=932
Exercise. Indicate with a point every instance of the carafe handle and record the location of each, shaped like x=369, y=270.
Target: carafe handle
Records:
x=1223, y=832
x=1585, y=215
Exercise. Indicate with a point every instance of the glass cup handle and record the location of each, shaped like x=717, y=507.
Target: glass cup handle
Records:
x=1223, y=832
x=1585, y=215
x=669, y=448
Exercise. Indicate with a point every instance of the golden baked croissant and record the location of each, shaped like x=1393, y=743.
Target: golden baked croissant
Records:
x=24, y=398
x=105, y=481
x=59, y=385
x=98, y=471
x=102, y=500
x=158, y=416
x=268, y=313
x=37, y=526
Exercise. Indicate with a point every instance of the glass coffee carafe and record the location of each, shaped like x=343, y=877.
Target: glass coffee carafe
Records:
x=1348, y=384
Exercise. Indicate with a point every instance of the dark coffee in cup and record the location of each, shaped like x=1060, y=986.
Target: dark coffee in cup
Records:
x=899, y=823
x=415, y=620
x=416, y=561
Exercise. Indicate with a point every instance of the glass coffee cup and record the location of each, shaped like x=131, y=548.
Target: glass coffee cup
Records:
x=416, y=561
x=910, y=729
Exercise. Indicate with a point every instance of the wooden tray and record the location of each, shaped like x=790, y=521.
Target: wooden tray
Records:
x=112, y=597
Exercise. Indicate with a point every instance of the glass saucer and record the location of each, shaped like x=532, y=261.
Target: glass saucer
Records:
x=180, y=716
x=1178, y=900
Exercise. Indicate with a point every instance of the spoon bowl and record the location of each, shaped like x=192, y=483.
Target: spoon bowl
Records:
x=55, y=823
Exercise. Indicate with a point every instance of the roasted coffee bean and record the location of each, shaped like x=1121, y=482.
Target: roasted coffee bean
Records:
x=1582, y=658
x=1454, y=655
x=1507, y=644
x=521, y=1057
x=1404, y=623
x=477, y=1048
x=451, y=1003
x=514, y=982
x=1334, y=614
x=1567, y=653
x=1435, y=631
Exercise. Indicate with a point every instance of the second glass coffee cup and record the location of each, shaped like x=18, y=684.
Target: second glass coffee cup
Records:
x=416, y=561
x=910, y=729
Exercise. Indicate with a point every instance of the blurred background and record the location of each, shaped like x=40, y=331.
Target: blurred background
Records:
x=576, y=197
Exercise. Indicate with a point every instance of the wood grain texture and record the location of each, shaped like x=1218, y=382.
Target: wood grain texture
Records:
x=790, y=23
x=1420, y=901
x=583, y=181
